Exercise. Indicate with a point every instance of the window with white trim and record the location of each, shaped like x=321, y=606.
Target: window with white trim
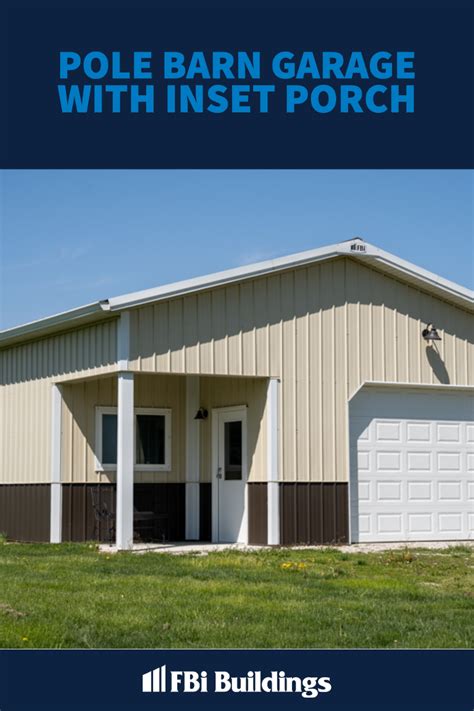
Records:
x=152, y=436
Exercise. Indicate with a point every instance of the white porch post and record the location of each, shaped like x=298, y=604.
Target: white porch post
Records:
x=192, y=458
x=125, y=461
x=56, y=486
x=125, y=437
x=273, y=434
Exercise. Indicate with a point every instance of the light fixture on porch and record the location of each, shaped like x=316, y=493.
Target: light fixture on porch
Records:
x=430, y=333
x=201, y=414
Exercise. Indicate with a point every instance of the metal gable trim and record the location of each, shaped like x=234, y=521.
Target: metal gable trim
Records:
x=355, y=248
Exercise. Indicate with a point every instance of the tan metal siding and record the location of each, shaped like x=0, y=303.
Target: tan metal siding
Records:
x=226, y=392
x=79, y=425
x=324, y=329
x=27, y=372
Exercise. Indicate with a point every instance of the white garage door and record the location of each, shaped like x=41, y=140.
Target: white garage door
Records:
x=412, y=465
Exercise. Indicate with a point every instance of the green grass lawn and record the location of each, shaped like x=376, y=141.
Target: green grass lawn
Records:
x=74, y=596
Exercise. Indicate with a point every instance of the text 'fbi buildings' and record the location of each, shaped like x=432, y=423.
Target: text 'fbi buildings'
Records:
x=240, y=82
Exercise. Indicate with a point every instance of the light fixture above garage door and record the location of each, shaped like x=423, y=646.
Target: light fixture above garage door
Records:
x=430, y=333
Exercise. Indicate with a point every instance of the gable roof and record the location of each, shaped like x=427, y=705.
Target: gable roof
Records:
x=356, y=248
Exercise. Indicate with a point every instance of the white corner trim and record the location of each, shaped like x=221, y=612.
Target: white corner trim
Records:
x=192, y=510
x=192, y=459
x=56, y=486
x=125, y=461
x=123, y=340
x=273, y=434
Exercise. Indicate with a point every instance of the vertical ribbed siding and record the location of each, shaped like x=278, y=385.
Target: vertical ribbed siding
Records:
x=324, y=329
x=313, y=513
x=25, y=511
x=225, y=392
x=27, y=372
x=79, y=425
x=166, y=501
x=257, y=514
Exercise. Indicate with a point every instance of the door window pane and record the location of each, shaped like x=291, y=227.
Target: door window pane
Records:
x=109, y=439
x=233, y=450
x=150, y=439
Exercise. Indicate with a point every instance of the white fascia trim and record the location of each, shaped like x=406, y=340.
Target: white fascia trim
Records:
x=52, y=321
x=389, y=263
x=228, y=276
x=413, y=386
x=369, y=252
x=423, y=275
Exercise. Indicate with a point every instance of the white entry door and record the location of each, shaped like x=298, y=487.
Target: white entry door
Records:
x=229, y=475
x=412, y=454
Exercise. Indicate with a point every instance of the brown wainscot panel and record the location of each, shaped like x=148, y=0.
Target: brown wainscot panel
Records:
x=257, y=518
x=79, y=521
x=25, y=511
x=165, y=501
x=313, y=513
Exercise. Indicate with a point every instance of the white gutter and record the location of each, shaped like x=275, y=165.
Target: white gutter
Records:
x=52, y=322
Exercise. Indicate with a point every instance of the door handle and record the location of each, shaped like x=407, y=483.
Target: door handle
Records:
x=219, y=472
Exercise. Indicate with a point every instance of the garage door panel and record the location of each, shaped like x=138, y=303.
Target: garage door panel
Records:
x=389, y=491
x=412, y=478
x=389, y=431
x=390, y=523
x=363, y=461
x=450, y=522
x=448, y=432
x=450, y=491
x=419, y=461
x=364, y=493
x=388, y=461
x=420, y=523
x=418, y=432
x=448, y=461
x=419, y=491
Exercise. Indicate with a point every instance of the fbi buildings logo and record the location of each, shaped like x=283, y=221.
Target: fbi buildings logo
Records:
x=160, y=680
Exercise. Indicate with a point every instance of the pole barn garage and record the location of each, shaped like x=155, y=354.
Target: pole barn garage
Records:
x=323, y=397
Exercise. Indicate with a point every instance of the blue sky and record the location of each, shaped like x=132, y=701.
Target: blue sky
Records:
x=71, y=237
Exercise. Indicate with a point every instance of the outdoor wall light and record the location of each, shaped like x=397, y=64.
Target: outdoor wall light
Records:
x=201, y=414
x=430, y=333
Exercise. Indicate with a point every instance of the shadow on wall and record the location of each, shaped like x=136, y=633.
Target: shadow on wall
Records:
x=225, y=312
x=437, y=364
x=81, y=400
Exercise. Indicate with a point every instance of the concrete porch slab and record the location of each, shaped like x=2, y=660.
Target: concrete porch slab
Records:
x=181, y=548
x=191, y=548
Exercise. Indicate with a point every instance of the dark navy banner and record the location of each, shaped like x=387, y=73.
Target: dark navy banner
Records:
x=245, y=88
x=332, y=679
